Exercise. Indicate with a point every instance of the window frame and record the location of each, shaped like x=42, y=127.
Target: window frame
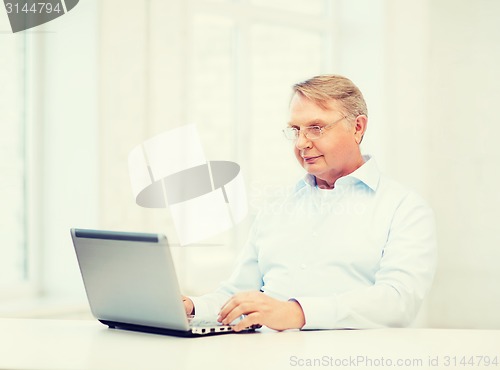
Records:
x=28, y=285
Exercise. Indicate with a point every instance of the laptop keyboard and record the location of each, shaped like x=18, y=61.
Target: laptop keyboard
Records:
x=204, y=323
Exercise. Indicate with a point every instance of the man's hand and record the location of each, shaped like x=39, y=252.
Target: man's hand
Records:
x=188, y=305
x=261, y=309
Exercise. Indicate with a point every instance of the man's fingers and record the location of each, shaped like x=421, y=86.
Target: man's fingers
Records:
x=235, y=301
x=232, y=315
x=226, y=309
x=188, y=305
x=238, y=305
x=248, y=321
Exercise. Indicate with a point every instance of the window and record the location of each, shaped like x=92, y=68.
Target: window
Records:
x=242, y=58
x=225, y=65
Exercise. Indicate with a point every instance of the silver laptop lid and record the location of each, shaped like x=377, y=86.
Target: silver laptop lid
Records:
x=130, y=278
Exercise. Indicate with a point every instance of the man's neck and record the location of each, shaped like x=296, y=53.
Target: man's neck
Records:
x=329, y=183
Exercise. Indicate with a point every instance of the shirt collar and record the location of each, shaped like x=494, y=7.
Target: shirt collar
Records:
x=368, y=174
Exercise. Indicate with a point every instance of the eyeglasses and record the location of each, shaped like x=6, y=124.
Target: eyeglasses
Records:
x=310, y=132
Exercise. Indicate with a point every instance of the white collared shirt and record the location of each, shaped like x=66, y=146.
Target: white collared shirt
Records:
x=361, y=255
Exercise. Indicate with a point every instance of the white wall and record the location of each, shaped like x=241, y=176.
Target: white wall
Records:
x=431, y=70
x=463, y=127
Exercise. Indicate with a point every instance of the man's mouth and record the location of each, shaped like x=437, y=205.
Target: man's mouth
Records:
x=311, y=159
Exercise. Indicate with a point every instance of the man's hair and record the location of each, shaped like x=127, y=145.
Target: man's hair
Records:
x=322, y=88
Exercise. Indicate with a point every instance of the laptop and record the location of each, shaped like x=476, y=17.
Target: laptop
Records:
x=131, y=283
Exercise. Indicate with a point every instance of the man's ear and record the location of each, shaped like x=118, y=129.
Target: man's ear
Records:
x=360, y=127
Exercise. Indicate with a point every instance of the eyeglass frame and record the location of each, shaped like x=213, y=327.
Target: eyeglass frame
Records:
x=320, y=129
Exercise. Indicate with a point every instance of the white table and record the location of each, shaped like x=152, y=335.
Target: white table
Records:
x=85, y=344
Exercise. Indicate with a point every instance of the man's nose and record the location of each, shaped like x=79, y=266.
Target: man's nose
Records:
x=302, y=141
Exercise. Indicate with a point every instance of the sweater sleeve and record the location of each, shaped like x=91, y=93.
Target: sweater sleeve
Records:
x=246, y=276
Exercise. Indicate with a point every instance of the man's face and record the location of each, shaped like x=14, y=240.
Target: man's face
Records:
x=336, y=153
